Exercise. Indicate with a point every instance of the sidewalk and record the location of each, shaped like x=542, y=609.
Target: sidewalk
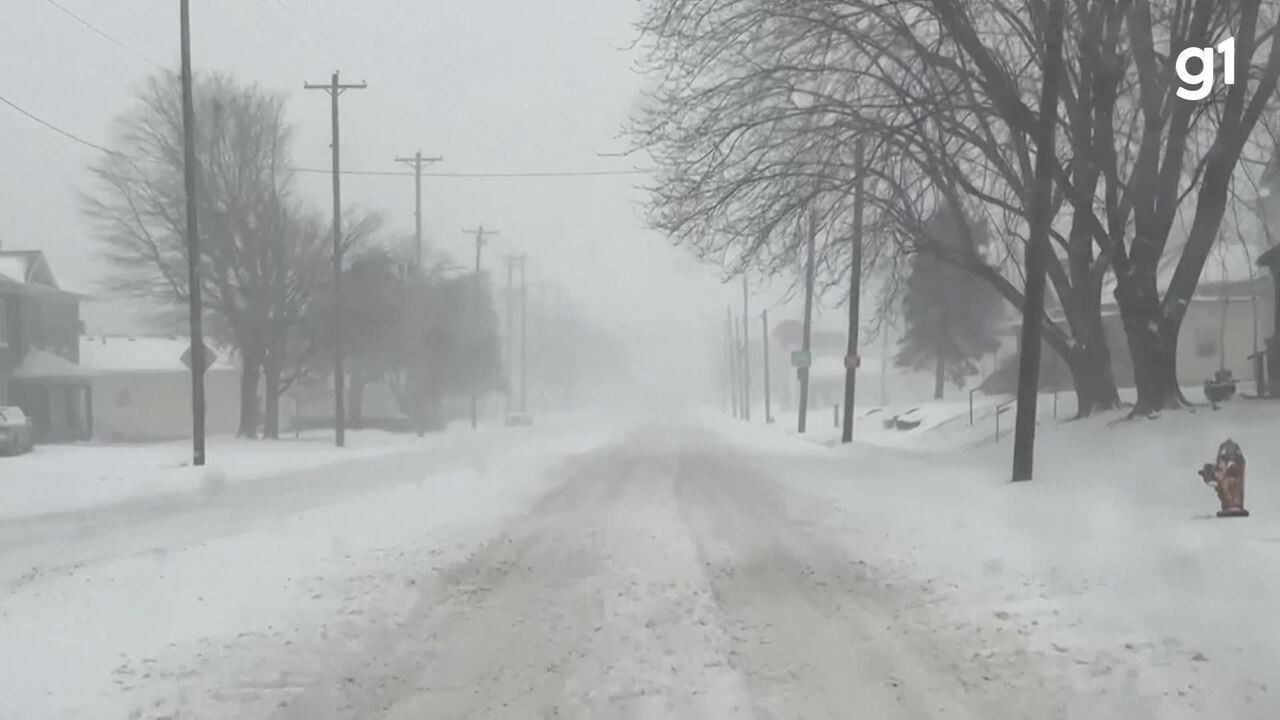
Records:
x=66, y=478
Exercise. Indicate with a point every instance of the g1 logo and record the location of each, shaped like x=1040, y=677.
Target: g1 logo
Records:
x=1202, y=81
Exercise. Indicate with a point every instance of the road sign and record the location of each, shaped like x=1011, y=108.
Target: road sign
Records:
x=800, y=359
x=852, y=362
x=210, y=357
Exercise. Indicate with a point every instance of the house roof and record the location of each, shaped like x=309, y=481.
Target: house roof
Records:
x=27, y=272
x=26, y=266
x=44, y=365
x=143, y=353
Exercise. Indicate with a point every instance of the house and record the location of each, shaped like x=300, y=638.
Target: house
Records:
x=142, y=388
x=1225, y=325
x=39, y=350
x=1267, y=361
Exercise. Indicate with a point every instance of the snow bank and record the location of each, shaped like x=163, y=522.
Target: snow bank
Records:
x=130, y=631
x=1109, y=566
x=64, y=478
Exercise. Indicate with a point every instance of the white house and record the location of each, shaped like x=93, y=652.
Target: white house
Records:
x=142, y=389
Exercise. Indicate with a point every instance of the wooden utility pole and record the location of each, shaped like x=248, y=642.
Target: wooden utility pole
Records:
x=195, y=312
x=764, y=343
x=480, y=235
x=808, y=323
x=736, y=346
x=746, y=353
x=1037, y=248
x=417, y=161
x=851, y=359
x=335, y=90
x=524, y=338
x=731, y=354
x=885, y=328
x=510, y=260
x=514, y=261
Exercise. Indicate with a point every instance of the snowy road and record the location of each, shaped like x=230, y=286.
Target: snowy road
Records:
x=659, y=577
x=668, y=571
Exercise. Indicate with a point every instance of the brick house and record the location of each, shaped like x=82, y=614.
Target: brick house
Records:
x=39, y=349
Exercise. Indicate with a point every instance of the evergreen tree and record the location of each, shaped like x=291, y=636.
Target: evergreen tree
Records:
x=951, y=316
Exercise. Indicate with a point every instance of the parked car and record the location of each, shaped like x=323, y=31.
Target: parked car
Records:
x=15, y=431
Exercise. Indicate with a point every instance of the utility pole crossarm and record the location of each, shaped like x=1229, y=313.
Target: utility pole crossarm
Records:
x=418, y=159
x=335, y=86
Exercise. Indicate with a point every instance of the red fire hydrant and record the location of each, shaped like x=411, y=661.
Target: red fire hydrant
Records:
x=1226, y=477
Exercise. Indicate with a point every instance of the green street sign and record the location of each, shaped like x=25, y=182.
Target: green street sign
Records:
x=800, y=359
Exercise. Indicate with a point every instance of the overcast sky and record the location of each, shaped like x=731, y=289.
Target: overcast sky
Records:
x=492, y=85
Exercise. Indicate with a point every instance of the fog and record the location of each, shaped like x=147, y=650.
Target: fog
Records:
x=697, y=397
x=496, y=87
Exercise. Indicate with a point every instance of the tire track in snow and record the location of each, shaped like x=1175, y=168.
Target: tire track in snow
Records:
x=592, y=605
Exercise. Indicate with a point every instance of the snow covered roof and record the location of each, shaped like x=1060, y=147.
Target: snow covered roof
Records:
x=44, y=365
x=145, y=353
x=26, y=266
x=13, y=268
x=27, y=272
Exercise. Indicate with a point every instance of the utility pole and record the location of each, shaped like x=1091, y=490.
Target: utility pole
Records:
x=524, y=339
x=480, y=234
x=193, y=242
x=510, y=333
x=731, y=354
x=885, y=328
x=736, y=347
x=335, y=90
x=764, y=342
x=851, y=359
x=1037, y=248
x=746, y=353
x=808, y=323
x=417, y=161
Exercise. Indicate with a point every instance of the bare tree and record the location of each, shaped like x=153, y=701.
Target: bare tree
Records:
x=758, y=104
x=262, y=253
x=754, y=122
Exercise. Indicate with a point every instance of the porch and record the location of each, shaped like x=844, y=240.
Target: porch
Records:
x=56, y=395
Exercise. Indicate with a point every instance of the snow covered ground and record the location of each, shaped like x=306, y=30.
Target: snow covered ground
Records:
x=1107, y=572
x=121, y=610
x=64, y=478
x=691, y=567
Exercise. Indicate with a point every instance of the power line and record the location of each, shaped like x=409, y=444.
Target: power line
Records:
x=106, y=36
x=69, y=135
x=540, y=173
x=324, y=171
